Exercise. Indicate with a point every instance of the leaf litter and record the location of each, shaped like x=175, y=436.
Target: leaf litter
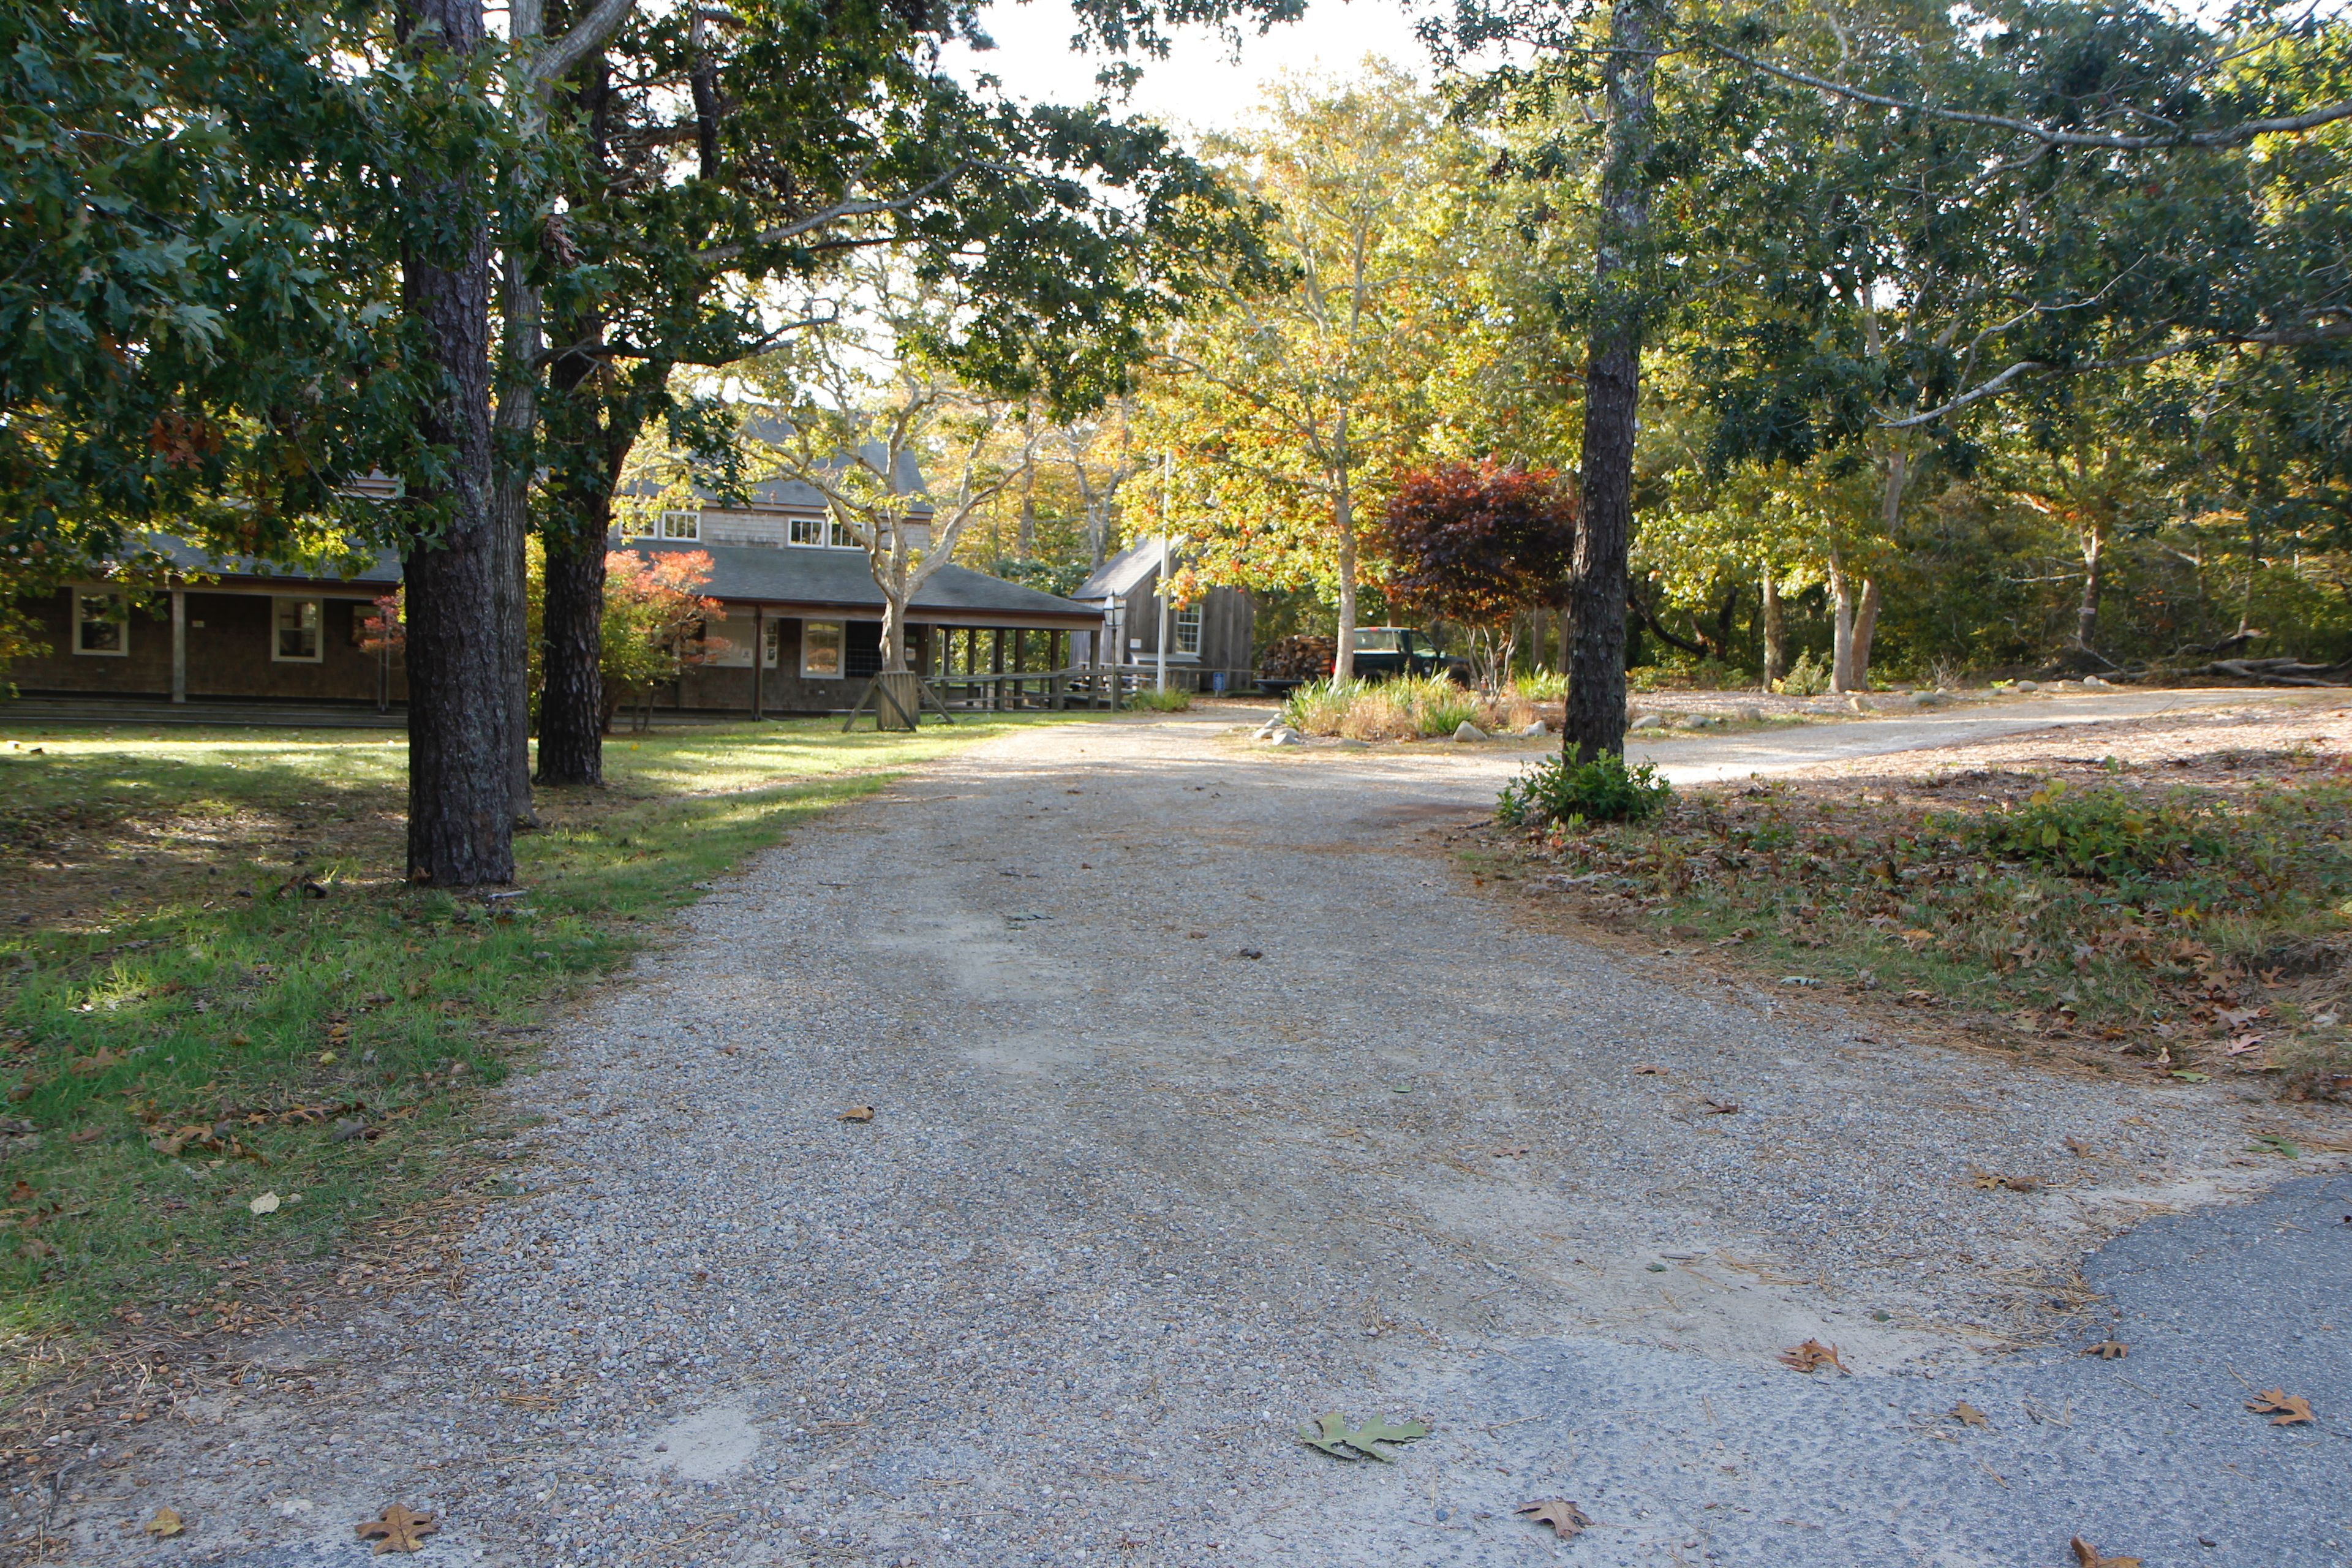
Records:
x=1812, y=1356
x=1565, y=1518
x=2284, y=1409
x=397, y=1529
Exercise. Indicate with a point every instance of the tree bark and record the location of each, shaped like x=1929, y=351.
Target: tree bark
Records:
x=513, y=437
x=1841, y=601
x=460, y=795
x=1776, y=629
x=573, y=712
x=1343, y=519
x=2095, y=557
x=1613, y=384
x=1866, y=627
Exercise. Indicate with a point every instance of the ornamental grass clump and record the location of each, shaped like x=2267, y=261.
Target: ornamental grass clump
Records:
x=1573, y=793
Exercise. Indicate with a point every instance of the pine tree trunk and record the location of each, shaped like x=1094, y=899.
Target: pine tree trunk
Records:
x=517, y=428
x=573, y=712
x=1776, y=630
x=1613, y=384
x=460, y=796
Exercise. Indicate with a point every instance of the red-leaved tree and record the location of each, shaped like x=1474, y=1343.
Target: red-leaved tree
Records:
x=1476, y=543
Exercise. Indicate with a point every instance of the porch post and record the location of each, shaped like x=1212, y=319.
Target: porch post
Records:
x=996, y=666
x=180, y=645
x=758, y=661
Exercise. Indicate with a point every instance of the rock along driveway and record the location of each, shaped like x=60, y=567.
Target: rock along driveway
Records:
x=1204, y=1102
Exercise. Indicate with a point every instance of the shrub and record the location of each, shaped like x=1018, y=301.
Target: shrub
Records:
x=1805, y=679
x=1175, y=700
x=2101, y=834
x=1603, y=790
x=1543, y=686
x=1318, y=707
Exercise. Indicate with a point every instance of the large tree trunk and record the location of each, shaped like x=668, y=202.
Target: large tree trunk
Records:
x=1842, y=603
x=573, y=711
x=460, y=795
x=1613, y=385
x=517, y=428
x=2095, y=559
x=1343, y=665
x=1866, y=627
x=1776, y=629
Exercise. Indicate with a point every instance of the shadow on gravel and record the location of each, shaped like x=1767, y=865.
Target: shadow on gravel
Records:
x=2154, y=1456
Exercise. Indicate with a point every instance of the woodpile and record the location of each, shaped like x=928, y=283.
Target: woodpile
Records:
x=2278, y=671
x=1298, y=658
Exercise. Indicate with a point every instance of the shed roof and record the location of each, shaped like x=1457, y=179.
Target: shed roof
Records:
x=1123, y=573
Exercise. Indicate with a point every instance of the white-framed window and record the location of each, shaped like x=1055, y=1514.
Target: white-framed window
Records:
x=1187, y=629
x=294, y=627
x=102, y=622
x=771, y=644
x=681, y=525
x=821, y=644
x=822, y=533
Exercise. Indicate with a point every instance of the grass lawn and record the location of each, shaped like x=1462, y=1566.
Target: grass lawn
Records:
x=214, y=988
x=2186, y=916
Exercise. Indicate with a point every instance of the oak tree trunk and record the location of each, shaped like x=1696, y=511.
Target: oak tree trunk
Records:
x=1866, y=627
x=573, y=712
x=1841, y=603
x=1775, y=631
x=460, y=795
x=1343, y=663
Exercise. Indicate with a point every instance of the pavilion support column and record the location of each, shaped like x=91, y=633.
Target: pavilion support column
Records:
x=996, y=666
x=180, y=645
x=758, y=661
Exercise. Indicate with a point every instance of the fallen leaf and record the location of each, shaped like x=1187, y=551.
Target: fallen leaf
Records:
x=1335, y=1436
x=2109, y=1350
x=2271, y=1143
x=1511, y=1151
x=97, y=1063
x=164, y=1525
x=2290, y=1408
x=2079, y=1148
x=1968, y=1415
x=1649, y=1072
x=858, y=1113
x=397, y=1530
x=88, y=1135
x=265, y=1203
x=2087, y=1556
x=1248, y=952
x=1719, y=1108
x=1986, y=1181
x=22, y=1192
x=1564, y=1517
x=1813, y=1355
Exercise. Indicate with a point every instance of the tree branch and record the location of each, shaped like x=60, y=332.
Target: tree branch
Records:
x=586, y=36
x=2050, y=136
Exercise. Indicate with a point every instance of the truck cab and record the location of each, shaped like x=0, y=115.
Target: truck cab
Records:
x=1385, y=651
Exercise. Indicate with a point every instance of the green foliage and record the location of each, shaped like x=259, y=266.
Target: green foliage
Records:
x=2099, y=833
x=1423, y=705
x=209, y=997
x=1542, y=684
x=1573, y=793
x=1175, y=700
x=1336, y=1435
x=1805, y=677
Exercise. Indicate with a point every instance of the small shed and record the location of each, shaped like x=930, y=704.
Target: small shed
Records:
x=1209, y=640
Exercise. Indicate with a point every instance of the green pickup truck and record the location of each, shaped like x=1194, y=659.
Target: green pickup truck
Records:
x=1385, y=651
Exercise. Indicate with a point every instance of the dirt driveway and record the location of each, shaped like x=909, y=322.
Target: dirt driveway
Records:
x=1207, y=1097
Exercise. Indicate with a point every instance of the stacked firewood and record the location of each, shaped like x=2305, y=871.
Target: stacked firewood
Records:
x=1298, y=658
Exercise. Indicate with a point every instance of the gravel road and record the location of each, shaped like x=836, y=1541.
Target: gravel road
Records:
x=1208, y=1097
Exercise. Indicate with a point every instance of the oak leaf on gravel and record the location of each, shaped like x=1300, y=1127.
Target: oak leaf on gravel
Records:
x=396, y=1529
x=165, y=1524
x=1334, y=1435
x=1564, y=1517
x=2284, y=1409
x=2087, y=1556
x=2109, y=1350
x=858, y=1113
x=1813, y=1355
x=1968, y=1415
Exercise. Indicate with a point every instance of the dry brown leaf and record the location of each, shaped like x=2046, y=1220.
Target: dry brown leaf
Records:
x=2109, y=1350
x=165, y=1524
x=2284, y=1409
x=1813, y=1355
x=397, y=1530
x=1649, y=1072
x=1968, y=1415
x=2087, y=1556
x=858, y=1113
x=2079, y=1148
x=1564, y=1517
x=1719, y=1108
x=1986, y=1181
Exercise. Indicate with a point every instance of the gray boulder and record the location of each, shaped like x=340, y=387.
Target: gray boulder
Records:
x=1466, y=730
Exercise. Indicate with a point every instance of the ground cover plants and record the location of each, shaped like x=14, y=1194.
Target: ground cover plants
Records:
x=2185, y=918
x=1404, y=709
x=216, y=992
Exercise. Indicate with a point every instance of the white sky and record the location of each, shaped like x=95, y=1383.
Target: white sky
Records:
x=1200, y=84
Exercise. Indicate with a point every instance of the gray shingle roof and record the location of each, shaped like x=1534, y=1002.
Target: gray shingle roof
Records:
x=765, y=573
x=793, y=575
